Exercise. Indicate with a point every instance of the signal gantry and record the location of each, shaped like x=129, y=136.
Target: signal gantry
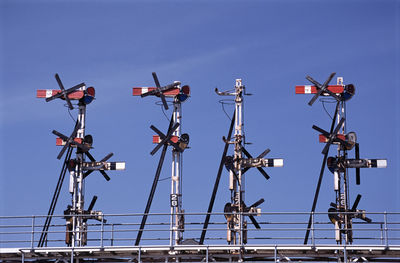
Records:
x=340, y=212
x=75, y=214
x=237, y=165
x=173, y=137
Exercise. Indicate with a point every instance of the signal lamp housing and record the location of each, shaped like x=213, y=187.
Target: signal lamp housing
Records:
x=351, y=139
x=88, y=139
x=89, y=95
x=183, y=141
x=349, y=91
x=228, y=211
x=333, y=216
x=184, y=94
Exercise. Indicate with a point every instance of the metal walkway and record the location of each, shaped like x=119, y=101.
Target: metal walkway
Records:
x=280, y=239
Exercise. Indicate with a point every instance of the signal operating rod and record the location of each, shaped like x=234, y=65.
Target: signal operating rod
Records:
x=321, y=174
x=216, y=184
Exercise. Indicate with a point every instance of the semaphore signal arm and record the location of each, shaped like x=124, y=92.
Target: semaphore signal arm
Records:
x=261, y=162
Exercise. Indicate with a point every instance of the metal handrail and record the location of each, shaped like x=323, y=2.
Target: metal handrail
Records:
x=15, y=230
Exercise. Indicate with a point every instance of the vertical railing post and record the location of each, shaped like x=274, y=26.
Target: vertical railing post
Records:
x=73, y=234
x=112, y=234
x=312, y=229
x=102, y=233
x=72, y=254
x=33, y=232
x=171, y=230
x=207, y=254
x=386, y=229
x=275, y=254
x=381, y=233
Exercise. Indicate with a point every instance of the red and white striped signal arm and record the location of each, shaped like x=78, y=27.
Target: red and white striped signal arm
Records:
x=61, y=142
x=323, y=139
x=157, y=139
x=137, y=91
x=308, y=89
x=47, y=93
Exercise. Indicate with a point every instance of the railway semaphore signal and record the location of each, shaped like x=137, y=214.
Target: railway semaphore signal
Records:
x=75, y=215
x=237, y=164
x=172, y=137
x=340, y=212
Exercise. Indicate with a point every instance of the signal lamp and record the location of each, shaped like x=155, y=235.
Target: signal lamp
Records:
x=351, y=139
x=71, y=164
x=183, y=141
x=333, y=216
x=89, y=97
x=228, y=210
x=228, y=161
x=182, y=97
x=184, y=94
x=331, y=163
x=349, y=91
x=88, y=139
x=186, y=90
x=91, y=91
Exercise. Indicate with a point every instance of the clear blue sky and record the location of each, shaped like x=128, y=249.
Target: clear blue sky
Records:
x=271, y=45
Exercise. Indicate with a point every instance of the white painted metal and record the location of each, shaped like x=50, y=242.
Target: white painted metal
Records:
x=237, y=197
x=80, y=227
x=71, y=181
x=336, y=180
x=381, y=163
x=177, y=213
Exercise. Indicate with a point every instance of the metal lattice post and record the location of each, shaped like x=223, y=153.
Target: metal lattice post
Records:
x=238, y=187
x=176, y=183
x=341, y=185
x=237, y=165
x=80, y=184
